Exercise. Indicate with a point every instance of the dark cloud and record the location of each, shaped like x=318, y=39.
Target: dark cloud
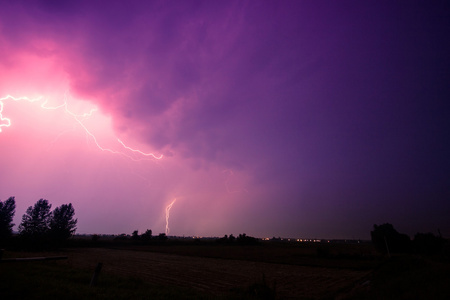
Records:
x=335, y=96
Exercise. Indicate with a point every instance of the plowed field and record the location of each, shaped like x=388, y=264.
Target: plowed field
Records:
x=219, y=276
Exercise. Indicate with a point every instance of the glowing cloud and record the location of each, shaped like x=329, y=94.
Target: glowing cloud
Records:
x=137, y=154
x=317, y=113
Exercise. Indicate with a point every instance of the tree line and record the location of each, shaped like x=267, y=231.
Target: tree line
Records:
x=386, y=240
x=39, y=223
x=144, y=237
x=242, y=239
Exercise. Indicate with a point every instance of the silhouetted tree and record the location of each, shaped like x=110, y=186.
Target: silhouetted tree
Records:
x=121, y=237
x=227, y=239
x=62, y=222
x=231, y=238
x=7, y=211
x=244, y=239
x=95, y=237
x=36, y=221
x=223, y=240
x=162, y=237
x=135, y=235
x=147, y=235
x=386, y=239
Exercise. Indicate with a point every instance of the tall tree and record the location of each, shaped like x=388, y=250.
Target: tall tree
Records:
x=7, y=211
x=62, y=222
x=36, y=221
x=388, y=240
x=147, y=235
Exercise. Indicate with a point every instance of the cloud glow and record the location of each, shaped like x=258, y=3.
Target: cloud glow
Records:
x=79, y=119
x=269, y=118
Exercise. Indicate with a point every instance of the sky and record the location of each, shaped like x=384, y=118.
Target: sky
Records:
x=313, y=119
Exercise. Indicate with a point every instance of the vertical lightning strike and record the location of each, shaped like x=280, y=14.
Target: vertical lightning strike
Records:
x=167, y=215
x=6, y=122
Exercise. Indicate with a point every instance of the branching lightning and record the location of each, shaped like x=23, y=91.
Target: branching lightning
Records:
x=137, y=154
x=167, y=215
x=6, y=122
x=139, y=151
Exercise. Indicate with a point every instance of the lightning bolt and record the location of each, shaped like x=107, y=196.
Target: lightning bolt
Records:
x=6, y=122
x=137, y=154
x=139, y=151
x=167, y=215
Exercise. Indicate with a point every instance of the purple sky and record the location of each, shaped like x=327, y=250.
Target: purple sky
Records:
x=274, y=118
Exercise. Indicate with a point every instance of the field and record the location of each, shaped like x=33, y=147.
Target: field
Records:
x=189, y=271
x=219, y=276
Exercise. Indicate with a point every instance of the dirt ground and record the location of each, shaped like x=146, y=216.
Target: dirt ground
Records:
x=219, y=276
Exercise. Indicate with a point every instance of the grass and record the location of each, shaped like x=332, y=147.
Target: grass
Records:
x=53, y=280
x=348, y=256
x=408, y=277
x=57, y=280
x=400, y=277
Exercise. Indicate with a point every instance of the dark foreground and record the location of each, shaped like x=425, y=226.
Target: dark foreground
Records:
x=226, y=272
